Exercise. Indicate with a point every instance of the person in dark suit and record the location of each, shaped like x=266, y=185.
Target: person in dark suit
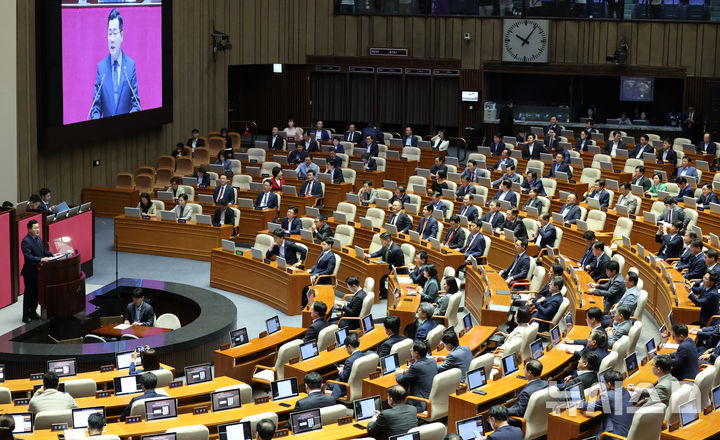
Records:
x=370, y=163
x=309, y=145
x=291, y=224
x=45, y=205
x=317, y=314
x=515, y=224
x=667, y=154
x=533, y=201
x=455, y=236
x=417, y=271
x=315, y=397
x=275, y=142
x=588, y=257
x=615, y=403
x=506, y=119
x=531, y=149
x=390, y=253
x=685, y=359
x=494, y=216
x=428, y=225
x=195, y=140
x=391, y=323
x=672, y=212
x=533, y=372
x=598, y=266
x=705, y=296
x=686, y=255
x=691, y=124
x=34, y=253
x=203, y=178
x=399, y=194
x=583, y=142
x=670, y=239
x=520, y=266
x=372, y=131
x=559, y=165
x=464, y=188
x=570, y=210
x=473, y=172
x=639, y=178
x=532, y=181
x=311, y=187
x=334, y=169
x=326, y=261
x=468, y=209
x=504, y=159
x=297, y=156
x=596, y=343
x=552, y=126
x=351, y=135
x=321, y=230
x=546, y=307
x=506, y=193
x=408, y=139
x=116, y=85
x=425, y=312
x=398, y=419
x=285, y=249
x=551, y=140
x=352, y=308
x=371, y=147
x=267, y=198
x=697, y=267
x=148, y=380
x=352, y=345
x=475, y=245
x=546, y=233
x=399, y=219
x=685, y=169
x=586, y=373
x=707, y=146
x=497, y=145
x=685, y=190
x=224, y=191
x=614, y=145
x=643, y=147
x=223, y=215
x=419, y=377
x=138, y=312
x=459, y=356
x=612, y=289
x=599, y=192
x=497, y=417
x=707, y=197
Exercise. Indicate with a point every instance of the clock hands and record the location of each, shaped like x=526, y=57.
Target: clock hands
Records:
x=525, y=40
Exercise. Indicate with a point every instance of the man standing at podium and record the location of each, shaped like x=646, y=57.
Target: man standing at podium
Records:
x=34, y=252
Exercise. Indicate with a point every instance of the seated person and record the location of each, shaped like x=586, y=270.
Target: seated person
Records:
x=506, y=193
x=179, y=150
x=533, y=201
x=559, y=165
x=598, y=266
x=472, y=171
x=391, y=323
x=596, y=343
x=615, y=144
x=657, y=185
x=352, y=308
x=430, y=287
x=448, y=286
x=639, y=178
x=494, y=216
x=497, y=145
x=428, y=226
x=455, y=236
x=643, y=147
x=510, y=175
x=306, y=166
x=352, y=345
x=600, y=193
x=438, y=165
x=522, y=318
x=629, y=298
x=265, y=430
x=223, y=215
x=588, y=257
x=399, y=195
x=706, y=146
x=311, y=187
x=324, y=266
x=505, y=160
x=203, y=178
x=436, y=201
x=224, y=191
x=685, y=359
x=615, y=403
x=149, y=360
x=418, y=378
x=96, y=424
x=181, y=210
x=138, y=312
x=297, y=156
x=620, y=326
x=398, y=218
x=390, y=253
x=697, y=267
x=556, y=270
x=308, y=143
x=315, y=397
x=277, y=181
x=468, y=209
x=662, y=390
x=686, y=255
x=174, y=188
x=369, y=162
x=291, y=224
x=425, y=311
x=586, y=373
x=520, y=266
x=530, y=150
x=465, y=188
x=146, y=205
x=533, y=374
x=546, y=307
x=149, y=382
x=686, y=170
x=672, y=212
x=398, y=419
x=459, y=356
x=532, y=181
x=570, y=210
x=48, y=398
x=317, y=314
x=546, y=233
x=612, y=289
x=367, y=193
x=321, y=230
x=497, y=417
x=439, y=184
x=335, y=171
x=667, y=154
x=515, y=224
x=705, y=296
x=285, y=249
x=685, y=190
x=707, y=197
x=417, y=271
x=266, y=199
x=670, y=239
x=224, y=160
x=475, y=246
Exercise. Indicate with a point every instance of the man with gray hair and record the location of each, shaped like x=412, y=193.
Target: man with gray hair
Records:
x=425, y=312
x=621, y=325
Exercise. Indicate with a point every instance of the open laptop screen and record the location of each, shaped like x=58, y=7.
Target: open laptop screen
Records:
x=239, y=337
x=368, y=324
x=556, y=335
x=340, y=336
x=688, y=413
x=284, y=389
x=536, y=348
x=23, y=422
x=80, y=415
x=365, y=408
x=389, y=363
x=308, y=350
x=476, y=378
x=467, y=322
x=123, y=359
x=62, y=367
x=305, y=421
x=166, y=436
x=509, y=364
x=235, y=431
x=127, y=385
x=273, y=325
x=470, y=429
x=716, y=397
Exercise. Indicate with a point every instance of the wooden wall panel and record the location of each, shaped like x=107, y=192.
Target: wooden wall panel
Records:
x=287, y=31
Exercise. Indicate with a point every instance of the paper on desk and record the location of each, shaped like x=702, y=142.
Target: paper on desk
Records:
x=122, y=326
x=499, y=308
x=525, y=296
x=74, y=434
x=404, y=279
x=570, y=347
x=671, y=346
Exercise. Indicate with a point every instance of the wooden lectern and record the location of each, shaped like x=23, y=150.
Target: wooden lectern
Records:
x=61, y=287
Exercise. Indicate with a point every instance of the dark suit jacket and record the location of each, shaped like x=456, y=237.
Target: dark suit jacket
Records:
x=586, y=380
x=418, y=379
x=573, y=214
x=397, y=420
x=149, y=394
x=228, y=195
x=648, y=149
x=291, y=250
x=471, y=212
x=685, y=363
x=642, y=181
x=423, y=330
x=506, y=432
x=518, y=409
x=229, y=216
x=352, y=137
x=520, y=271
x=413, y=141
x=537, y=183
x=336, y=175
x=546, y=309
x=462, y=190
x=310, y=146
x=315, y=188
x=402, y=223
x=711, y=148
x=430, y=229
x=314, y=330
x=608, y=147
x=272, y=201
x=344, y=375
x=295, y=157
x=562, y=167
x=354, y=306
x=459, y=358
x=371, y=165
x=475, y=246
x=511, y=197
x=671, y=245
x=385, y=347
x=588, y=258
x=200, y=142
x=395, y=256
x=205, y=179
x=618, y=419
x=454, y=238
x=294, y=228
x=147, y=315
x=597, y=268
x=496, y=149
x=604, y=197
x=697, y=267
x=685, y=258
x=671, y=156
x=582, y=145
x=537, y=204
x=325, y=264
x=547, y=234
x=498, y=220
x=316, y=399
x=518, y=228
x=128, y=100
x=706, y=201
x=277, y=144
x=418, y=275
x=685, y=192
x=33, y=250
x=707, y=300
x=374, y=149
x=537, y=149
x=324, y=232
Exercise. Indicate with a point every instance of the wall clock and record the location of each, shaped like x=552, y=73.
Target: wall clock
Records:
x=525, y=40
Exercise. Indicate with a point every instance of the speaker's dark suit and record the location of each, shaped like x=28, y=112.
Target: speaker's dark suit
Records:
x=33, y=251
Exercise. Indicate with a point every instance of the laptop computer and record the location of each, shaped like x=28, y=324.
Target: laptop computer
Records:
x=23, y=422
x=80, y=415
x=395, y=142
x=309, y=350
x=389, y=363
x=357, y=165
x=281, y=262
x=382, y=203
x=389, y=184
x=306, y=235
x=409, y=436
x=228, y=245
x=340, y=336
x=340, y=216
x=123, y=359
x=608, y=166
x=423, y=172
x=622, y=210
x=650, y=217
x=581, y=225
x=536, y=348
x=593, y=202
x=392, y=229
x=127, y=385
x=631, y=364
x=273, y=226
x=510, y=364
x=575, y=395
x=132, y=212
x=509, y=235
x=471, y=429
x=256, y=186
x=206, y=199
x=434, y=243
x=638, y=190
x=289, y=190
x=594, y=149
x=392, y=154
x=690, y=202
x=164, y=195
x=688, y=413
x=716, y=397
x=365, y=408
x=367, y=324
x=251, y=171
x=203, y=219
x=312, y=212
x=273, y=325
x=558, y=218
x=476, y=379
x=555, y=335
x=244, y=203
x=62, y=367
x=365, y=222
x=650, y=348
x=284, y=389
x=359, y=252
x=198, y=374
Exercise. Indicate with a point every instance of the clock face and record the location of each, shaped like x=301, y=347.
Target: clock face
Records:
x=525, y=40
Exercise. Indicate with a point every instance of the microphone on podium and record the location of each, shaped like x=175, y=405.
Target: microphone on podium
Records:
x=102, y=79
x=131, y=87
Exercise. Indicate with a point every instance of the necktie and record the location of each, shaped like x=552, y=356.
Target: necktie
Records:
x=464, y=210
x=470, y=243
x=394, y=219
x=517, y=257
x=282, y=250
x=472, y=176
x=264, y=200
x=387, y=252
x=309, y=185
x=425, y=222
x=670, y=216
x=450, y=237
x=137, y=311
x=220, y=194
x=181, y=211
x=116, y=77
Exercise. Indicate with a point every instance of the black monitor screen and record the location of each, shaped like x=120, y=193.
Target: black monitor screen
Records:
x=716, y=397
x=63, y=367
x=283, y=389
x=161, y=409
x=239, y=337
x=556, y=335
x=308, y=350
x=639, y=89
x=305, y=421
x=476, y=378
x=631, y=363
x=228, y=399
x=198, y=374
x=467, y=321
x=365, y=408
x=650, y=345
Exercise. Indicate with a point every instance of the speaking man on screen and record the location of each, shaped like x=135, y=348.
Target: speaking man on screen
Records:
x=116, y=90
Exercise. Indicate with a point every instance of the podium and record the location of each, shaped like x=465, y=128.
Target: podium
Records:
x=61, y=287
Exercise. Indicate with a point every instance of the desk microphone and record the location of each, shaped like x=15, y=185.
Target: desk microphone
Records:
x=131, y=87
x=102, y=79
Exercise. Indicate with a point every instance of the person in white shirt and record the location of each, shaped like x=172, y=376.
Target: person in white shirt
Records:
x=616, y=144
x=522, y=318
x=181, y=209
x=48, y=398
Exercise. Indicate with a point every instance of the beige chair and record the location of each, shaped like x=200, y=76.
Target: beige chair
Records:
x=168, y=320
x=640, y=306
x=596, y=220
x=622, y=227
x=536, y=279
x=80, y=387
x=307, y=223
x=484, y=361
x=590, y=175
x=45, y=419
x=255, y=418
x=159, y=205
x=528, y=338
x=535, y=422
x=192, y=432
x=331, y=414
x=344, y=164
x=434, y=336
x=411, y=153
x=609, y=361
x=361, y=370
x=348, y=209
x=431, y=431
x=164, y=377
x=162, y=178
x=345, y=234
x=369, y=286
x=537, y=165
x=450, y=208
x=267, y=167
x=106, y=437
x=377, y=216
x=349, y=147
x=349, y=174
x=443, y=385
x=365, y=309
x=380, y=162
x=415, y=180
x=451, y=313
x=245, y=391
x=631, y=163
x=678, y=397
x=237, y=215
x=545, y=205
x=478, y=157
x=257, y=154
x=326, y=337
x=236, y=166
x=287, y=351
x=530, y=225
x=125, y=181
x=5, y=395
x=408, y=252
x=196, y=209
x=600, y=158
x=263, y=242
x=384, y=194
x=621, y=348
x=375, y=244
x=692, y=215
x=647, y=423
x=704, y=384
x=403, y=350
x=634, y=336
x=558, y=315
x=550, y=186
x=241, y=181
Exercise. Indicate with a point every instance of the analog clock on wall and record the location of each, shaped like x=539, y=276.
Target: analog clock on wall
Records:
x=525, y=40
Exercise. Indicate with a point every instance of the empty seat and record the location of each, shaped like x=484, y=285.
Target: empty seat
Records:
x=168, y=320
x=192, y=432
x=124, y=181
x=80, y=387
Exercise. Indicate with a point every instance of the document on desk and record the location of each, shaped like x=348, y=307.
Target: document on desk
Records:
x=404, y=279
x=122, y=326
x=670, y=346
x=570, y=347
x=499, y=308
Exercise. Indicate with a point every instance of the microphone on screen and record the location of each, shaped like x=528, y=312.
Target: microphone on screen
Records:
x=102, y=79
x=131, y=87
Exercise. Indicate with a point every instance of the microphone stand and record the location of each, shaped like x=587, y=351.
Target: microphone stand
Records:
x=102, y=79
x=131, y=87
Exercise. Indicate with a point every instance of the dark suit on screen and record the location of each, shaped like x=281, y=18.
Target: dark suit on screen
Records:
x=128, y=100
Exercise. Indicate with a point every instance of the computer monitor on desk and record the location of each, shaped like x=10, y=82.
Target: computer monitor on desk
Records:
x=127, y=385
x=159, y=409
x=476, y=379
x=228, y=399
x=365, y=408
x=23, y=422
x=239, y=337
x=368, y=324
x=80, y=415
x=471, y=429
x=510, y=364
x=284, y=389
x=309, y=350
x=389, y=363
x=62, y=367
x=273, y=325
x=198, y=374
x=237, y=430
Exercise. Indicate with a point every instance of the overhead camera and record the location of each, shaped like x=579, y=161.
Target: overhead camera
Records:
x=220, y=41
x=621, y=54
